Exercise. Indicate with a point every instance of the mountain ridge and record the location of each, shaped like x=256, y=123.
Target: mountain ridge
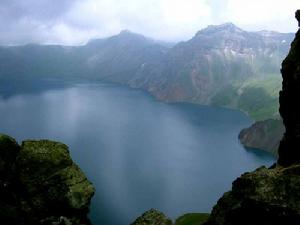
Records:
x=215, y=67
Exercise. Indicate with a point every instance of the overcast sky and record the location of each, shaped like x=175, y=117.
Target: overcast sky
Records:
x=73, y=22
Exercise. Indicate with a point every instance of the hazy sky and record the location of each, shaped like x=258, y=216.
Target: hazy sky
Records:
x=76, y=21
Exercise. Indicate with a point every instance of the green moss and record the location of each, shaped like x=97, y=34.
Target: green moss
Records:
x=42, y=159
x=192, y=219
x=51, y=178
x=78, y=190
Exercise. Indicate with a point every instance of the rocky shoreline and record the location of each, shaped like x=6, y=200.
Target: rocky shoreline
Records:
x=263, y=135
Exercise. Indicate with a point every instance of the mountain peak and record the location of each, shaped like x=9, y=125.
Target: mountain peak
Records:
x=126, y=31
x=225, y=27
x=129, y=34
x=228, y=25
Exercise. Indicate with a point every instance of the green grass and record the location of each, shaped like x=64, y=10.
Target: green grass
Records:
x=257, y=97
x=271, y=85
x=260, y=97
x=192, y=219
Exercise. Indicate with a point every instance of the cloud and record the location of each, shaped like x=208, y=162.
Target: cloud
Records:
x=263, y=14
x=76, y=21
x=162, y=19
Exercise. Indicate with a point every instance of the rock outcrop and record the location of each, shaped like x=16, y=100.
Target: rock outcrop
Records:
x=289, y=150
x=152, y=217
x=263, y=197
x=264, y=135
x=40, y=184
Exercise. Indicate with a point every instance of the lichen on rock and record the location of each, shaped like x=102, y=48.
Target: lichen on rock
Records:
x=48, y=187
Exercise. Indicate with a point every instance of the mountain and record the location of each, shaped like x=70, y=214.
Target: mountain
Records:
x=118, y=56
x=224, y=65
x=221, y=65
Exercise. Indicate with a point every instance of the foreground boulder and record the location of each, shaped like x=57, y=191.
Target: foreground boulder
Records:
x=152, y=217
x=40, y=184
x=263, y=197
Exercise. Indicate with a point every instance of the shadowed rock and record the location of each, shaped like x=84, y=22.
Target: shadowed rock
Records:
x=298, y=17
x=289, y=149
x=263, y=197
x=48, y=187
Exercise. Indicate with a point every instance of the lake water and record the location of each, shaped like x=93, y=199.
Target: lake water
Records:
x=138, y=152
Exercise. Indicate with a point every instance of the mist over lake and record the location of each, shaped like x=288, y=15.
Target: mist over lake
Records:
x=138, y=152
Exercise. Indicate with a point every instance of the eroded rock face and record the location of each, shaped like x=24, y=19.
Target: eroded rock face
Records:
x=289, y=150
x=152, y=217
x=47, y=186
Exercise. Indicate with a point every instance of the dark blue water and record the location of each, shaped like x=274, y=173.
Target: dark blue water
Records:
x=138, y=152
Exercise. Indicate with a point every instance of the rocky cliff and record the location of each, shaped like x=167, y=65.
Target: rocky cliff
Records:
x=264, y=135
x=40, y=184
x=263, y=197
x=289, y=150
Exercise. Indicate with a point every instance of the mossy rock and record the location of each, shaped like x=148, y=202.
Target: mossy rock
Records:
x=192, y=219
x=52, y=181
x=265, y=196
x=71, y=186
x=40, y=184
x=40, y=159
x=152, y=217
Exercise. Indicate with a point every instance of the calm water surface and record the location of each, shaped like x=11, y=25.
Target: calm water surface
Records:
x=138, y=152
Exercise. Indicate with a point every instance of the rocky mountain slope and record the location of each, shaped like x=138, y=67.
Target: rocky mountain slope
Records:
x=221, y=65
x=40, y=184
x=264, y=135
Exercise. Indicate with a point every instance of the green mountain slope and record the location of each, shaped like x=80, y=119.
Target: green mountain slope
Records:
x=221, y=65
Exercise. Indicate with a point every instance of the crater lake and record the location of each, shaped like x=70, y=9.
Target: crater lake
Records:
x=138, y=152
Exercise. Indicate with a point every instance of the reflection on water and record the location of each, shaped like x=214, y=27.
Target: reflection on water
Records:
x=138, y=152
